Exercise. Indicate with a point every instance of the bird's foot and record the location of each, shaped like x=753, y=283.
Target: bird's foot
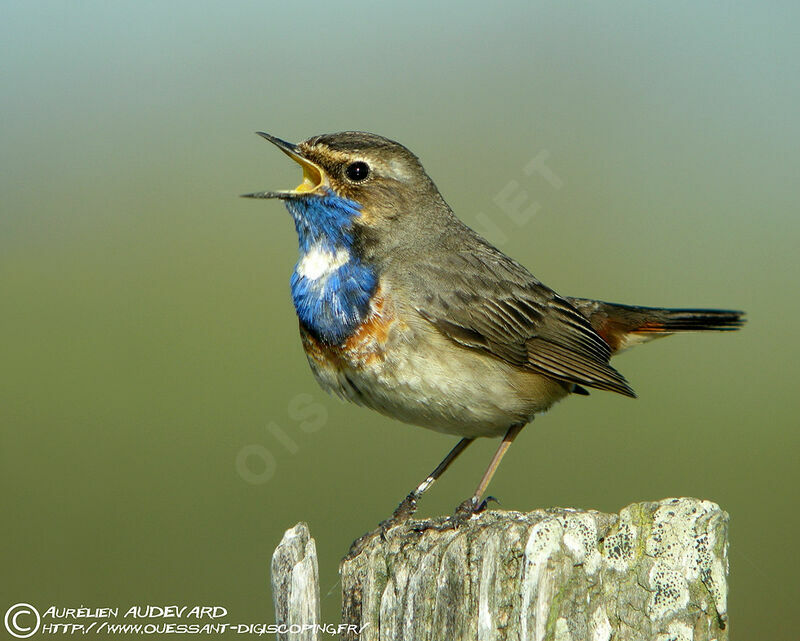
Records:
x=467, y=510
x=401, y=514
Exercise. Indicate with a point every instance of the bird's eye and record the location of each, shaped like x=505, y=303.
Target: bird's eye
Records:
x=357, y=171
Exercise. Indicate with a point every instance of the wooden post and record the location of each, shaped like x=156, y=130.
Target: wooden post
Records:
x=656, y=570
x=295, y=585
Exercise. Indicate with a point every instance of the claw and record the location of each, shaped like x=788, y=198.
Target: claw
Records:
x=402, y=513
x=486, y=502
x=406, y=509
x=464, y=513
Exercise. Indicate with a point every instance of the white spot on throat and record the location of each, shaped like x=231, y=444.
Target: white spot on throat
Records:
x=319, y=263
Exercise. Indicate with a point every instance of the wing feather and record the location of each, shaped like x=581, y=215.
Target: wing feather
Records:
x=483, y=300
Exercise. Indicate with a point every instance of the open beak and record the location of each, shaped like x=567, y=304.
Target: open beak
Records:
x=313, y=176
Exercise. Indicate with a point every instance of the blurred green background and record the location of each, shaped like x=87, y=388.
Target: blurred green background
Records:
x=160, y=426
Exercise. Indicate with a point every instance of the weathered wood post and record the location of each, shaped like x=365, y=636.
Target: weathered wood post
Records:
x=294, y=576
x=656, y=570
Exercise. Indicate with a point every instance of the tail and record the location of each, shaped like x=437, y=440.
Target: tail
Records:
x=623, y=326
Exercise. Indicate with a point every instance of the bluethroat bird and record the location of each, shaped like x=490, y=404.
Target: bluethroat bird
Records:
x=406, y=310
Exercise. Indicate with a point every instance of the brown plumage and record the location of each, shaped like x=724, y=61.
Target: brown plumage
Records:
x=453, y=334
x=622, y=326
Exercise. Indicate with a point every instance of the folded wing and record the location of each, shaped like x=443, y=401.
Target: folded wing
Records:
x=484, y=300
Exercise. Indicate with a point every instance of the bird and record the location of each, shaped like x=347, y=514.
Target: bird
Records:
x=406, y=310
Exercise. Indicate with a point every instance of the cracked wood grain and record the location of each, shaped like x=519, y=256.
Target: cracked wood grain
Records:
x=656, y=570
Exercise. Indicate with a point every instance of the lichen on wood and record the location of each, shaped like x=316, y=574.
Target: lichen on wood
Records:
x=655, y=570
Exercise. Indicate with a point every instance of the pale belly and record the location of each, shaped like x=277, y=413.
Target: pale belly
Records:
x=417, y=376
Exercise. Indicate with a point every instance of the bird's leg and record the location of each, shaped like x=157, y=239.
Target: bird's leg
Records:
x=408, y=505
x=473, y=504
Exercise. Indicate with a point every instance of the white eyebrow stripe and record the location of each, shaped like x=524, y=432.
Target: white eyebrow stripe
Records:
x=398, y=170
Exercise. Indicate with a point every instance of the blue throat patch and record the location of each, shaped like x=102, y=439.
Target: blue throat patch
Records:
x=333, y=304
